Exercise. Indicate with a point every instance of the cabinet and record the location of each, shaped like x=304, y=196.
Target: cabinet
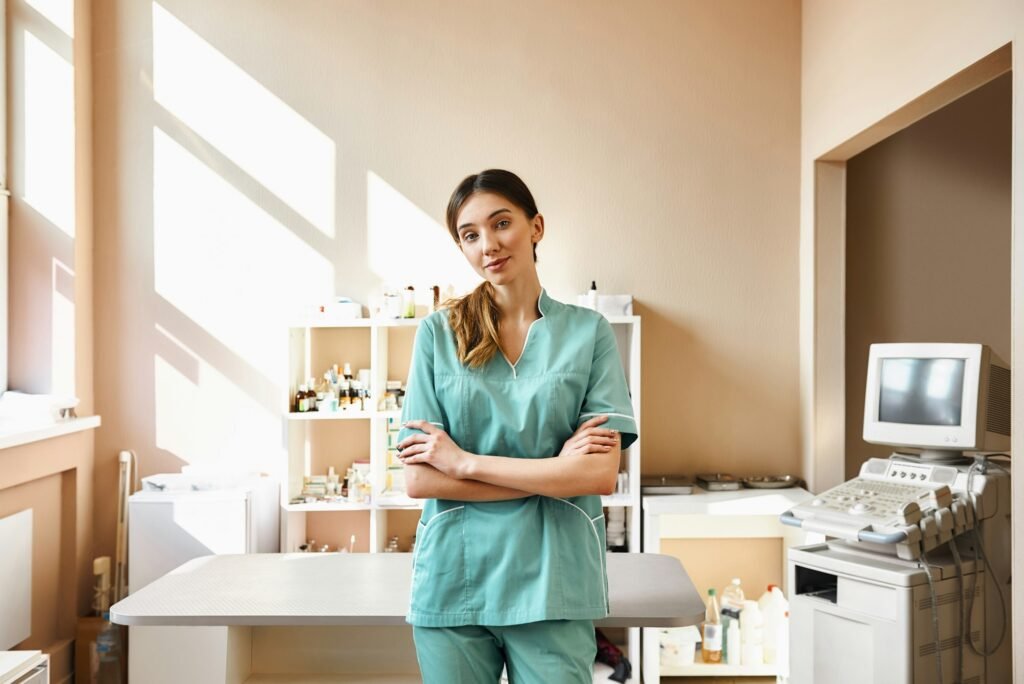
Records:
x=318, y=440
x=740, y=514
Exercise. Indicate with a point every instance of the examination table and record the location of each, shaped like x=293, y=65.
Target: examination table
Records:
x=331, y=618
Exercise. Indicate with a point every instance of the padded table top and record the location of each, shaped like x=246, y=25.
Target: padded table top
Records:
x=645, y=590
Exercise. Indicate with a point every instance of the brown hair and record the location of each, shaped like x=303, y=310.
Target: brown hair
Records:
x=474, y=317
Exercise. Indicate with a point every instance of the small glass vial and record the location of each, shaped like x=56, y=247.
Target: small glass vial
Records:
x=409, y=302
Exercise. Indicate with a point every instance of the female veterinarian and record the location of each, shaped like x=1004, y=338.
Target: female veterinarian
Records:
x=514, y=421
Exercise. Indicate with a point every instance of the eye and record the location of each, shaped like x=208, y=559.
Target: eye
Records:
x=468, y=237
x=504, y=223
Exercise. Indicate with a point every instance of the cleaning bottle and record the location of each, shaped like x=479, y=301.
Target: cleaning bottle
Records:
x=732, y=604
x=773, y=606
x=711, y=646
x=733, y=645
x=752, y=631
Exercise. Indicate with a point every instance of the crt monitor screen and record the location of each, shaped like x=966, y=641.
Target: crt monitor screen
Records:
x=921, y=391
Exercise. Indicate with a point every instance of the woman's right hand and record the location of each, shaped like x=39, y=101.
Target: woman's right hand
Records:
x=591, y=439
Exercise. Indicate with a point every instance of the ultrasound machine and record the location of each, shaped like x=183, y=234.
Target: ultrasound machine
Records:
x=913, y=582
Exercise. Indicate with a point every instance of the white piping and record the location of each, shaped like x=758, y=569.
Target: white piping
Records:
x=440, y=425
x=527, y=340
x=419, y=544
x=457, y=508
x=597, y=518
x=597, y=537
x=599, y=413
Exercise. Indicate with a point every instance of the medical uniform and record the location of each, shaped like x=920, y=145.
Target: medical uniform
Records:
x=530, y=570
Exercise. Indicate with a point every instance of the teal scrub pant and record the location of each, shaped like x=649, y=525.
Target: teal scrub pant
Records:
x=548, y=652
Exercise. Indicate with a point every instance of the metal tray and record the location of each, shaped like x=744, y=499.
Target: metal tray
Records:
x=771, y=482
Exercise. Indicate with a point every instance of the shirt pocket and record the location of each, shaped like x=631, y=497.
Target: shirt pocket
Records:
x=439, y=565
x=579, y=543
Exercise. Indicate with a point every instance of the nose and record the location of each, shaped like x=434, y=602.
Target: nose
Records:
x=489, y=242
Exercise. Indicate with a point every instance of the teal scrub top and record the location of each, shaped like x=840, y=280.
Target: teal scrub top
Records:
x=524, y=560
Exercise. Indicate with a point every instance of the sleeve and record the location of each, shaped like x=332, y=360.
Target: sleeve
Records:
x=420, y=397
x=607, y=392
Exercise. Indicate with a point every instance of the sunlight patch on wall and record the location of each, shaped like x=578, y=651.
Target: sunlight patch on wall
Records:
x=227, y=264
x=208, y=419
x=247, y=123
x=62, y=336
x=49, y=118
x=407, y=247
x=61, y=13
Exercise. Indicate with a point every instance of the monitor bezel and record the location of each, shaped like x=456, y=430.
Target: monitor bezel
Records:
x=951, y=437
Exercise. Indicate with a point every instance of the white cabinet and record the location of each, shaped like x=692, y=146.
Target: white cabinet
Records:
x=24, y=667
x=740, y=514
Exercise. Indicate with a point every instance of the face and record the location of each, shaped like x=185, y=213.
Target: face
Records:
x=497, y=238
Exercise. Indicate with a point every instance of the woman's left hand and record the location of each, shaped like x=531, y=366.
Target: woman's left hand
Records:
x=436, y=448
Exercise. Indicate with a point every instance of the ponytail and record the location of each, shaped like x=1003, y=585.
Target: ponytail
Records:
x=474, y=320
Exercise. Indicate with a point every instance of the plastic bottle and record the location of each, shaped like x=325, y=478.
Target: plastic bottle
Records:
x=782, y=645
x=733, y=596
x=732, y=604
x=752, y=632
x=711, y=646
x=108, y=654
x=592, y=296
x=773, y=607
x=733, y=645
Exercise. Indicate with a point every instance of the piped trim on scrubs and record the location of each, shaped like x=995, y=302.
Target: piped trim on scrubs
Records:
x=597, y=537
x=603, y=413
x=540, y=300
x=448, y=510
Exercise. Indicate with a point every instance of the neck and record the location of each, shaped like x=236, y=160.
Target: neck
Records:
x=519, y=299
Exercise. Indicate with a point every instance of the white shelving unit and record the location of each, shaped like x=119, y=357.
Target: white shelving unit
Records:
x=308, y=338
x=740, y=514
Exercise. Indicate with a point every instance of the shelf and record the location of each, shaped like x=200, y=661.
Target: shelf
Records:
x=333, y=679
x=617, y=500
x=397, y=503
x=719, y=670
x=343, y=415
x=325, y=321
x=323, y=506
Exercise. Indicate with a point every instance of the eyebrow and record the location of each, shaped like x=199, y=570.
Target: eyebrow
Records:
x=493, y=214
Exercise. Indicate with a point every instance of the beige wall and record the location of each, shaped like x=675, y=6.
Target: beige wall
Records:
x=660, y=140
x=928, y=241
x=863, y=62
x=50, y=298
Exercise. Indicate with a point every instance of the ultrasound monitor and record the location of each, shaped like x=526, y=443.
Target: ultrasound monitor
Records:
x=943, y=399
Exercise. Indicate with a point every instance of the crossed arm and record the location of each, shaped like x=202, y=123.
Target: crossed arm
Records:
x=437, y=468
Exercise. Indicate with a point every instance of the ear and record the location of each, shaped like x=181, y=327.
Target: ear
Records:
x=537, y=229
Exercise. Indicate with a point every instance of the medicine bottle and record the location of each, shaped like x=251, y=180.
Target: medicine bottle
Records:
x=409, y=302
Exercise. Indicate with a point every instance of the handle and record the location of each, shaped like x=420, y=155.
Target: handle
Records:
x=788, y=518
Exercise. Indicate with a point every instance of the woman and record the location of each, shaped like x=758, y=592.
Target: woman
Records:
x=513, y=425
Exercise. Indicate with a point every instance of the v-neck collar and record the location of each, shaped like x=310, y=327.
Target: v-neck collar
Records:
x=541, y=302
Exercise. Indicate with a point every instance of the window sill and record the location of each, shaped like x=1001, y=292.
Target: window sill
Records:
x=12, y=435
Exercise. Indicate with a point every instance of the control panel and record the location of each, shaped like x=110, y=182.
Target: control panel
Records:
x=904, y=504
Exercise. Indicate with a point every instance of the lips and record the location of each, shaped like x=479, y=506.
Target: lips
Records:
x=497, y=263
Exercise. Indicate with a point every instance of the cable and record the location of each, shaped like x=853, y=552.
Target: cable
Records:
x=959, y=608
x=935, y=615
x=980, y=464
